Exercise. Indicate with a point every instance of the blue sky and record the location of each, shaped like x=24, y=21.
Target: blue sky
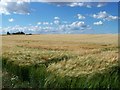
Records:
x=63, y=18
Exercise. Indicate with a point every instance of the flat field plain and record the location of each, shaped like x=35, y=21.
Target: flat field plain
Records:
x=60, y=61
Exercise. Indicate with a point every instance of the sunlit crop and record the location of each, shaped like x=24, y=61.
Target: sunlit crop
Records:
x=61, y=60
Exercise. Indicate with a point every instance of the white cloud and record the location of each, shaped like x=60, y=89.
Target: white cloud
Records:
x=3, y=9
x=112, y=18
x=51, y=23
x=88, y=6
x=100, y=5
x=26, y=29
x=39, y=23
x=85, y=4
x=56, y=18
x=76, y=4
x=15, y=0
x=14, y=7
x=105, y=16
x=11, y=20
x=101, y=15
x=78, y=24
x=98, y=23
x=21, y=6
x=74, y=27
x=56, y=22
x=47, y=28
x=80, y=16
x=45, y=23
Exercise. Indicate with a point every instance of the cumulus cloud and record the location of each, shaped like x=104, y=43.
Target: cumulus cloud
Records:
x=56, y=22
x=79, y=4
x=45, y=23
x=88, y=6
x=14, y=7
x=56, y=18
x=73, y=27
x=51, y=23
x=112, y=18
x=22, y=6
x=105, y=16
x=15, y=0
x=28, y=29
x=78, y=24
x=47, y=28
x=80, y=16
x=3, y=9
x=85, y=4
x=11, y=20
x=74, y=4
x=100, y=5
x=39, y=23
x=101, y=15
x=98, y=23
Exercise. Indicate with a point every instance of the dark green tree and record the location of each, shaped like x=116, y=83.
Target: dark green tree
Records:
x=8, y=33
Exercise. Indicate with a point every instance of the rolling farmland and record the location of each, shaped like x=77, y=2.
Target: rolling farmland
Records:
x=60, y=61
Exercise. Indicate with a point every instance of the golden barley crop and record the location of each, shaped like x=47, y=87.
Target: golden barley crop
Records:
x=59, y=58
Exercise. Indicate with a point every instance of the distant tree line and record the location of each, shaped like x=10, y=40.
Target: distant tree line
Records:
x=18, y=33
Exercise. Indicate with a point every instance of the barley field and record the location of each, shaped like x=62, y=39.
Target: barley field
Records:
x=60, y=61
